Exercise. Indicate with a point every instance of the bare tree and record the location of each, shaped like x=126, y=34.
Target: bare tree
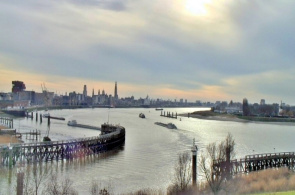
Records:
x=223, y=152
x=34, y=178
x=183, y=173
x=64, y=187
x=97, y=189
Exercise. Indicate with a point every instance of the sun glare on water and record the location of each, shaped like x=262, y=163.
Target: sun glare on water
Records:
x=197, y=7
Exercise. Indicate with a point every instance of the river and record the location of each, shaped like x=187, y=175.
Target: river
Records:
x=150, y=152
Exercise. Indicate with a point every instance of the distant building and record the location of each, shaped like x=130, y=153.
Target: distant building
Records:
x=262, y=102
x=146, y=101
x=84, y=93
x=116, y=92
x=18, y=86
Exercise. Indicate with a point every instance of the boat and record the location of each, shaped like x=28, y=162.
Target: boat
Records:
x=159, y=109
x=169, y=125
x=18, y=112
x=141, y=115
x=74, y=123
x=46, y=115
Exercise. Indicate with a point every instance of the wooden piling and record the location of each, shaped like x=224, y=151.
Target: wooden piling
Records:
x=20, y=183
x=194, y=163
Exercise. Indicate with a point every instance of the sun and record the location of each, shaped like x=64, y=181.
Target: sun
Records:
x=197, y=7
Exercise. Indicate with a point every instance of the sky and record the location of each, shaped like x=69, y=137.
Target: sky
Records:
x=204, y=50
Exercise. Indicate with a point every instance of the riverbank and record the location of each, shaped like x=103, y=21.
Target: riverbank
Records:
x=209, y=115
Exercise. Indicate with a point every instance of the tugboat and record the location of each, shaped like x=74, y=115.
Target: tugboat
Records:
x=141, y=115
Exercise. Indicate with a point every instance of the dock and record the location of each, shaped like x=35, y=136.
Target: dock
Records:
x=169, y=114
x=112, y=137
x=74, y=123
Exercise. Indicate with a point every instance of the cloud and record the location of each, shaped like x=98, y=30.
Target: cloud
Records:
x=154, y=45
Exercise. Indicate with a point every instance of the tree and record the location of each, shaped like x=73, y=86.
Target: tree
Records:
x=64, y=187
x=222, y=152
x=182, y=174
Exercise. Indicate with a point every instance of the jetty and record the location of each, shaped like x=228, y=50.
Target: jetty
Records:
x=112, y=136
x=74, y=123
x=53, y=117
x=252, y=163
x=7, y=122
x=169, y=114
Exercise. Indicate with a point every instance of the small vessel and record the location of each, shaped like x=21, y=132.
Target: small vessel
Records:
x=141, y=115
x=46, y=115
x=159, y=109
x=169, y=125
x=72, y=123
x=18, y=112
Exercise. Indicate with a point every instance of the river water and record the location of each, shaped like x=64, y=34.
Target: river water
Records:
x=150, y=152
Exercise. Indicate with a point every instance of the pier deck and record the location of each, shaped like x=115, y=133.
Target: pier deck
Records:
x=61, y=150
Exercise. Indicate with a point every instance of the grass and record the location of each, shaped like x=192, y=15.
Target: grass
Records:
x=277, y=193
x=270, y=180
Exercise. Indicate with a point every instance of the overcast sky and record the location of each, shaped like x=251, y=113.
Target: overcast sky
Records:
x=204, y=50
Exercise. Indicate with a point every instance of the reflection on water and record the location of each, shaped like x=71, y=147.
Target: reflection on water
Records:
x=148, y=157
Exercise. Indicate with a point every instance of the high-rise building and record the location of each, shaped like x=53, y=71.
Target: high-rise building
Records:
x=116, y=91
x=85, y=91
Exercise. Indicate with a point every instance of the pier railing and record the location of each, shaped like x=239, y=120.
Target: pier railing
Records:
x=60, y=150
x=254, y=163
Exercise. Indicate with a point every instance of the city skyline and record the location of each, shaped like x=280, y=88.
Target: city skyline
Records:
x=197, y=50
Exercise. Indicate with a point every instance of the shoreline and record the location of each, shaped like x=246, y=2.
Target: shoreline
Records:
x=232, y=118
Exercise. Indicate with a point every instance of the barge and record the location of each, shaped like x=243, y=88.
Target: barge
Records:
x=74, y=123
x=169, y=125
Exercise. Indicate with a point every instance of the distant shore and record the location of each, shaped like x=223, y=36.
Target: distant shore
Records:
x=209, y=115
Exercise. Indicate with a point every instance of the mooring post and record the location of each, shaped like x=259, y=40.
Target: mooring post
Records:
x=228, y=165
x=10, y=156
x=36, y=116
x=20, y=182
x=194, y=163
x=48, y=121
x=40, y=118
x=32, y=115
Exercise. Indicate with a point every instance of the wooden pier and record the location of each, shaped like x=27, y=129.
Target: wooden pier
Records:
x=169, y=114
x=254, y=163
x=62, y=150
x=32, y=135
x=8, y=122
